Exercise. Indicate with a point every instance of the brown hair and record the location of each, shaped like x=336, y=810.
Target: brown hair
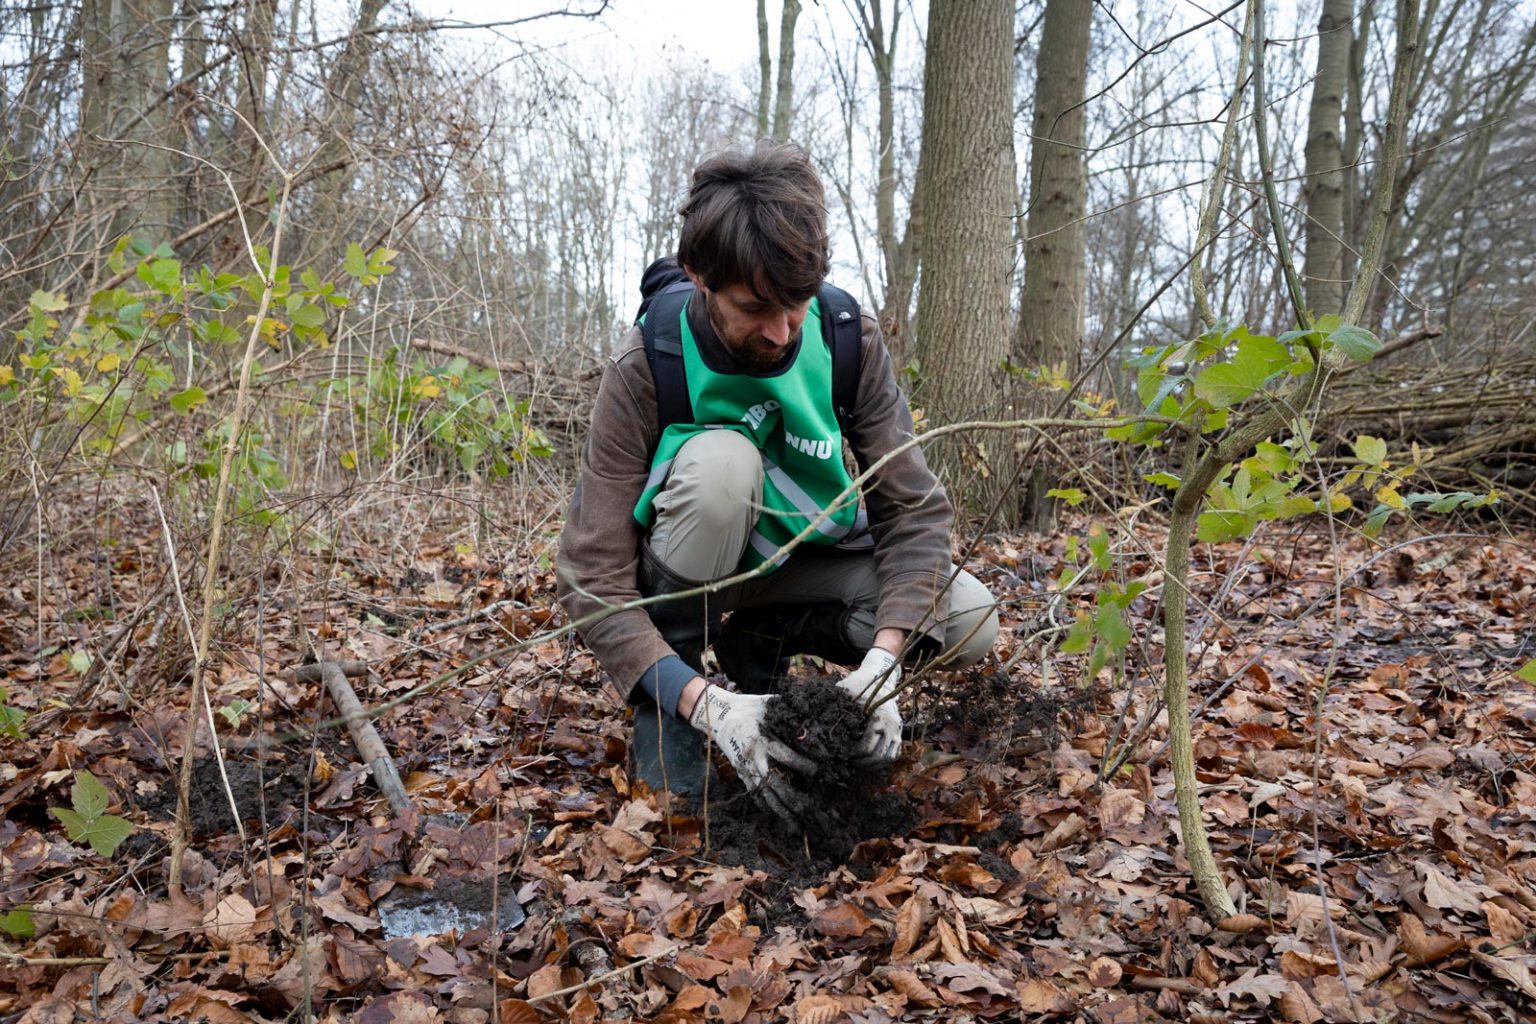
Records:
x=757, y=217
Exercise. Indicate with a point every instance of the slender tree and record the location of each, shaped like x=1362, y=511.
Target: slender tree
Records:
x=967, y=193
x=1051, y=310
x=1323, y=266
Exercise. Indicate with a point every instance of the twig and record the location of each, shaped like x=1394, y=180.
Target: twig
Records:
x=367, y=738
x=600, y=978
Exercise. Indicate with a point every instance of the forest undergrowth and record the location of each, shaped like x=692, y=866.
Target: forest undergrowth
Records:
x=1379, y=852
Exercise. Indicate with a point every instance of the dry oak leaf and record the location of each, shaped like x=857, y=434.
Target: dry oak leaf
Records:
x=519, y=1011
x=1428, y=759
x=1298, y=1007
x=1260, y=987
x=1352, y=1004
x=988, y=912
x=827, y=1007
x=1121, y=809
x=1240, y=924
x=1037, y=995
x=1445, y=893
x=1066, y=830
x=733, y=1007
x=399, y=1008
x=970, y=977
x=624, y=845
x=1420, y=946
x=333, y=906
x=544, y=981
x=1512, y=971
x=843, y=921
x=1104, y=973
x=232, y=920
x=912, y=987
x=910, y=921
x=970, y=875
x=1503, y=926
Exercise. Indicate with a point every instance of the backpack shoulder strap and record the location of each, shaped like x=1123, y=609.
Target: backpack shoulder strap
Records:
x=844, y=334
x=664, y=353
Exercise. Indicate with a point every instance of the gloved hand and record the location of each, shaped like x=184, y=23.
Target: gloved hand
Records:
x=735, y=722
x=878, y=678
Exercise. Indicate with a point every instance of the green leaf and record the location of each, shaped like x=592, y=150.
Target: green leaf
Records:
x=18, y=923
x=1098, y=544
x=1370, y=450
x=104, y=834
x=1162, y=479
x=1227, y=384
x=1527, y=672
x=356, y=262
x=89, y=796
x=1355, y=342
x=1071, y=495
x=185, y=401
x=80, y=662
x=48, y=302
x=1225, y=525
x=1079, y=636
x=308, y=315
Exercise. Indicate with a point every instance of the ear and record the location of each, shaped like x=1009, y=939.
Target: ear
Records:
x=698, y=282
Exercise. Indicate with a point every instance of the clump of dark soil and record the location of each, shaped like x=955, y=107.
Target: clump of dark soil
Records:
x=848, y=803
x=278, y=782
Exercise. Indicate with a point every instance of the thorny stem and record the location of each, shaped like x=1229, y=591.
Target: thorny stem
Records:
x=181, y=838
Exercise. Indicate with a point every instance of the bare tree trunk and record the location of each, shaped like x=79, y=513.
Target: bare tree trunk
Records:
x=1323, y=266
x=255, y=51
x=1051, y=315
x=343, y=91
x=967, y=184
x=764, y=69
x=784, y=101
x=124, y=120
x=898, y=252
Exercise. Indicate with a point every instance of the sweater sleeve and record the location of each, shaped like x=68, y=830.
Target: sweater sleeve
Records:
x=599, y=551
x=910, y=515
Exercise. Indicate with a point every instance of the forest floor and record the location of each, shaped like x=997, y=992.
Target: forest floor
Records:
x=1383, y=853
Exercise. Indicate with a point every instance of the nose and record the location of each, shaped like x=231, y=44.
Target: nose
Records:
x=776, y=328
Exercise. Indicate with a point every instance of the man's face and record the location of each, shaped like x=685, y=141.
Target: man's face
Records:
x=754, y=330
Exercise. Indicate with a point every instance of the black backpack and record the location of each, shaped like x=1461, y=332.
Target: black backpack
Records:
x=665, y=289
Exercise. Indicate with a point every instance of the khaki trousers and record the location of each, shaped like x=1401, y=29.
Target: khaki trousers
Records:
x=704, y=517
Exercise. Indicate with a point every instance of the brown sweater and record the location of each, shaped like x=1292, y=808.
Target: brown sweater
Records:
x=909, y=513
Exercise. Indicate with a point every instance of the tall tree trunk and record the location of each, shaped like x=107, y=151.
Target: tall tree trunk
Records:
x=344, y=88
x=1323, y=265
x=1051, y=312
x=784, y=101
x=124, y=117
x=967, y=183
x=898, y=251
x=764, y=69
x=255, y=51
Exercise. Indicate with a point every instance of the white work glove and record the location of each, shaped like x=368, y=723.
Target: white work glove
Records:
x=878, y=678
x=734, y=721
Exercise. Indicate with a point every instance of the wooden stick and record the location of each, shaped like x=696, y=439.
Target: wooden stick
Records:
x=385, y=775
x=598, y=979
x=315, y=673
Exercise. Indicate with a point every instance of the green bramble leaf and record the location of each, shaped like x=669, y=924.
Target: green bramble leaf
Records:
x=88, y=822
x=1162, y=479
x=185, y=401
x=1527, y=672
x=1355, y=342
x=17, y=923
x=356, y=261
x=1370, y=450
x=48, y=302
x=1071, y=495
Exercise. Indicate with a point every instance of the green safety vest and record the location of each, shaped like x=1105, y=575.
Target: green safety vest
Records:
x=789, y=417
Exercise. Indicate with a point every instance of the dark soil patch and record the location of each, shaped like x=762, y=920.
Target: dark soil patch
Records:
x=849, y=804
x=277, y=781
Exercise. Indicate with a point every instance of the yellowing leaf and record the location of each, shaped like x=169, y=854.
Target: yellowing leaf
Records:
x=6, y=376
x=427, y=387
x=348, y=459
x=109, y=362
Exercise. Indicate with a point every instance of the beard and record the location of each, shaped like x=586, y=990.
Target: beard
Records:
x=749, y=348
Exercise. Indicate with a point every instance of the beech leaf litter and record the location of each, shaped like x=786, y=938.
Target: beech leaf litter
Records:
x=1366, y=752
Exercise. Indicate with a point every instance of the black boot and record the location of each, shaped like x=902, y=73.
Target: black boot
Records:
x=666, y=751
x=756, y=644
